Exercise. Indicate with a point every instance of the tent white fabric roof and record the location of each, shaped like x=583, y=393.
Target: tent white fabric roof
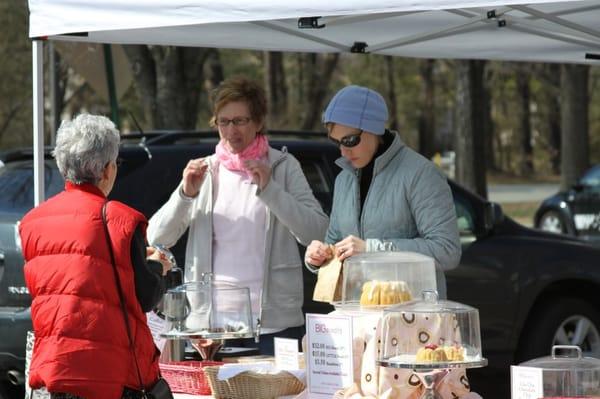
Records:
x=565, y=31
x=538, y=30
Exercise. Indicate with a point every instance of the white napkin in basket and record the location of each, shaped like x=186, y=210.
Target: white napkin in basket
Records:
x=230, y=370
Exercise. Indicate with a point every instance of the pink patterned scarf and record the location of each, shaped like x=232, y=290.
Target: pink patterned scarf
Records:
x=256, y=150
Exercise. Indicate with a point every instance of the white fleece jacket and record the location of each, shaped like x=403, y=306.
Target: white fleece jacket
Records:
x=293, y=215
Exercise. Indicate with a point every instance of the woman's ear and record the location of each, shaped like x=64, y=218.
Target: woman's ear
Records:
x=261, y=126
x=106, y=171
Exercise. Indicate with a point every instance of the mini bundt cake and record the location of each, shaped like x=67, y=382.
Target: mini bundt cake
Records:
x=431, y=354
x=384, y=293
x=455, y=353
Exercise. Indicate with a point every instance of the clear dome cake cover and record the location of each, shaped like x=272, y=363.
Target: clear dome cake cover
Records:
x=566, y=372
x=429, y=303
x=209, y=308
x=431, y=333
x=379, y=279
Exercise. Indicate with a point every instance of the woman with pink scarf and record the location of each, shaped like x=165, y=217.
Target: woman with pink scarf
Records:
x=246, y=207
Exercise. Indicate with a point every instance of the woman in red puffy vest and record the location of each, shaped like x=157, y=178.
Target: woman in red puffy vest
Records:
x=81, y=347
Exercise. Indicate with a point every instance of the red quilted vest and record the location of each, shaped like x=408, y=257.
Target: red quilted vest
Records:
x=81, y=343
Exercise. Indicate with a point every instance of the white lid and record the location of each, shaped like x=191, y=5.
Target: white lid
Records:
x=429, y=303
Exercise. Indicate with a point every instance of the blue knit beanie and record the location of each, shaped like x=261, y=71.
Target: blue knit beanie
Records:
x=358, y=107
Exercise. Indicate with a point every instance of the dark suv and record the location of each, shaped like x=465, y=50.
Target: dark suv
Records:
x=533, y=289
x=151, y=167
x=575, y=211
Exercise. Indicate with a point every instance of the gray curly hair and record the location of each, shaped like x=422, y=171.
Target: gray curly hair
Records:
x=84, y=146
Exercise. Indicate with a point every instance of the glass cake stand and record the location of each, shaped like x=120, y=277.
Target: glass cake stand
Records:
x=431, y=337
x=206, y=313
x=430, y=374
x=207, y=343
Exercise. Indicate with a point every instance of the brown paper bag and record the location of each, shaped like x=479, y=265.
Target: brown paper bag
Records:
x=329, y=282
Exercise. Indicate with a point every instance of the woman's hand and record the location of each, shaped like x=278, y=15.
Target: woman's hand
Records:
x=317, y=253
x=154, y=254
x=349, y=246
x=260, y=172
x=193, y=175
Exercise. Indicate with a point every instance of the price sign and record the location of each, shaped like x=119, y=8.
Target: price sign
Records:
x=328, y=353
x=526, y=382
x=286, y=354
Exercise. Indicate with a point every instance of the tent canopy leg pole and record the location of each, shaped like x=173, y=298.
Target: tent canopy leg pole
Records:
x=38, y=120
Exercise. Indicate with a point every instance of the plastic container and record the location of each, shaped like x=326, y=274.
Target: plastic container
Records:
x=208, y=309
x=567, y=373
x=431, y=333
x=378, y=279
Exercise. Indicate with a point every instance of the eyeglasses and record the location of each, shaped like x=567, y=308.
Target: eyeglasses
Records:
x=349, y=141
x=237, y=121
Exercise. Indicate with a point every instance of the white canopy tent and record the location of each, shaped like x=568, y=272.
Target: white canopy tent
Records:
x=566, y=31
x=542, y=30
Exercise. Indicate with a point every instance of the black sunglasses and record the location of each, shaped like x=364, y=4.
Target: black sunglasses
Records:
x=349, y=141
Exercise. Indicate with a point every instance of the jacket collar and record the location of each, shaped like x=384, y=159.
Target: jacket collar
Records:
x=87, y=187
x=381, y=161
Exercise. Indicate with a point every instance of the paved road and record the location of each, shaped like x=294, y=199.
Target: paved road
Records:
x=504, y=193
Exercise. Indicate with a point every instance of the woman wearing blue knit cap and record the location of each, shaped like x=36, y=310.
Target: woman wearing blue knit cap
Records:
x=387, y=196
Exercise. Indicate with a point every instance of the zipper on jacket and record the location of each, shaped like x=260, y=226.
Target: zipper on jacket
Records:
x=211, y=172
x=359, y=208
x=362, y=208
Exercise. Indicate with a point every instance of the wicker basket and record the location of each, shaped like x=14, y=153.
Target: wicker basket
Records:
x=250, y=384
x=187, y=377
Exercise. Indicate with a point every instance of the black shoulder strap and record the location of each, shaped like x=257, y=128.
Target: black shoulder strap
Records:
x=121, y=298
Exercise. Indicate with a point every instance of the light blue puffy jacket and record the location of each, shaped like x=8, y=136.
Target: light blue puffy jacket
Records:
x=408, y=207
